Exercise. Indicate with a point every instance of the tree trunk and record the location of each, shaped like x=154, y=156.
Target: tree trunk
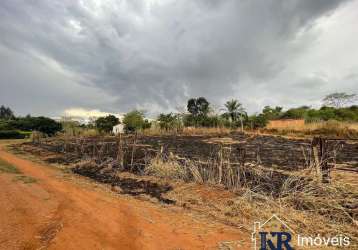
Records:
x=242, y=124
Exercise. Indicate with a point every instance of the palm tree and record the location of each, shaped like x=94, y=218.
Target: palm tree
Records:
x=235, y=110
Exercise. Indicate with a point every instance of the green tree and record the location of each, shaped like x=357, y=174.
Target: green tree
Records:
x=233, y=107
x=296, y=113
x=47, y=125
x=198, y=109
x=134, y=121
x=6, y=113
x=147, y=124
x=169, y=121
x=198, y=106
x=236, y=111
x=43, y=124
x=105, y=124
x=257, y=121
x=272, y=113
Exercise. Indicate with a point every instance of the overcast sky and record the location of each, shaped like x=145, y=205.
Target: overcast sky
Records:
x=114, y=56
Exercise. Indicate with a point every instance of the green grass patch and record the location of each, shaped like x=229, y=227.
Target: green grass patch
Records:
x=12, y=134
x=25, y=179
x=6, y=167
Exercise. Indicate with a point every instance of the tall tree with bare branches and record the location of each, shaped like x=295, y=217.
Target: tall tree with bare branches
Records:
x=339, y=99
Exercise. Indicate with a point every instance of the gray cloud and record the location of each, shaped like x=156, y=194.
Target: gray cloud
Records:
x=119, y=55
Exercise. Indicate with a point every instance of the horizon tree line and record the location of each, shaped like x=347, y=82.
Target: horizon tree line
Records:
x=199, y=113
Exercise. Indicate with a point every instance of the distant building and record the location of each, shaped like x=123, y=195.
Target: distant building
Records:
x=118, y=129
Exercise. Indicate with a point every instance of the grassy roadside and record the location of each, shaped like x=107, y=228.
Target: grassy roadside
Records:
x=8, y=168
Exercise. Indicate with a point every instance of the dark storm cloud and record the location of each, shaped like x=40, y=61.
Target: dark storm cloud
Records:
x=152, y=54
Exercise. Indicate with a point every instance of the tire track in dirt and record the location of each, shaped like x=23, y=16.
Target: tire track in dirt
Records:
x=54, y=213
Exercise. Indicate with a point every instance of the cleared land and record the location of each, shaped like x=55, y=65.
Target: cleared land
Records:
x=226, y=180
x=231, y=178
x=60, y=211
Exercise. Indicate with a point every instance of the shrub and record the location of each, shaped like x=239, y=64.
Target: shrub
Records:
x=257, y=121
x=43, y=124
x=203, y=121
x=105, y=124
x=169, y=121
x=4, y=125
x=135, y=121
x=147, y=124
x=11, y=134
x=27, y=134
x=47, y=125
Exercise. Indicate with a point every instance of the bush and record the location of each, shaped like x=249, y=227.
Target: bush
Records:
x=11, y=134
x=27, y=134
x=322, y=114
x=169, y=121
x=296, y=113
x=135, y=121
x=4, y=125
x=147, y=124
x=256, y=121
x=43, y=124
x=106, y=124
x=203, y=121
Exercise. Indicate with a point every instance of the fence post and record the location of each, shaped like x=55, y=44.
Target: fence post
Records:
x=258, y=157
x=320, y=159
x=120, y=152
x=240, y=169
x=220, y=163
x=326, y=169
x=316, y=159
x=133, y=150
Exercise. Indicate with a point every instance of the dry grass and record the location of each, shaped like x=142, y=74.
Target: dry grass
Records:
x=206, y=131
x=300, y=125
x=280, y=127
x=314, y=210
x=284, y=124
x=170, y=169
x=309, y=207
x=190, y=131
x=328, y=128
x=76, y=132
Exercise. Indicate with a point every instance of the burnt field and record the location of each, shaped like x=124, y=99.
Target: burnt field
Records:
x=267, y=151
x=263, y=163
x=260, y=173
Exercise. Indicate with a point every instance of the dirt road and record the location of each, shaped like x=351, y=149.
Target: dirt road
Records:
x=52, y=212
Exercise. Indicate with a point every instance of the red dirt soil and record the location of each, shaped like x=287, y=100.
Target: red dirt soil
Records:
x=54, y=213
